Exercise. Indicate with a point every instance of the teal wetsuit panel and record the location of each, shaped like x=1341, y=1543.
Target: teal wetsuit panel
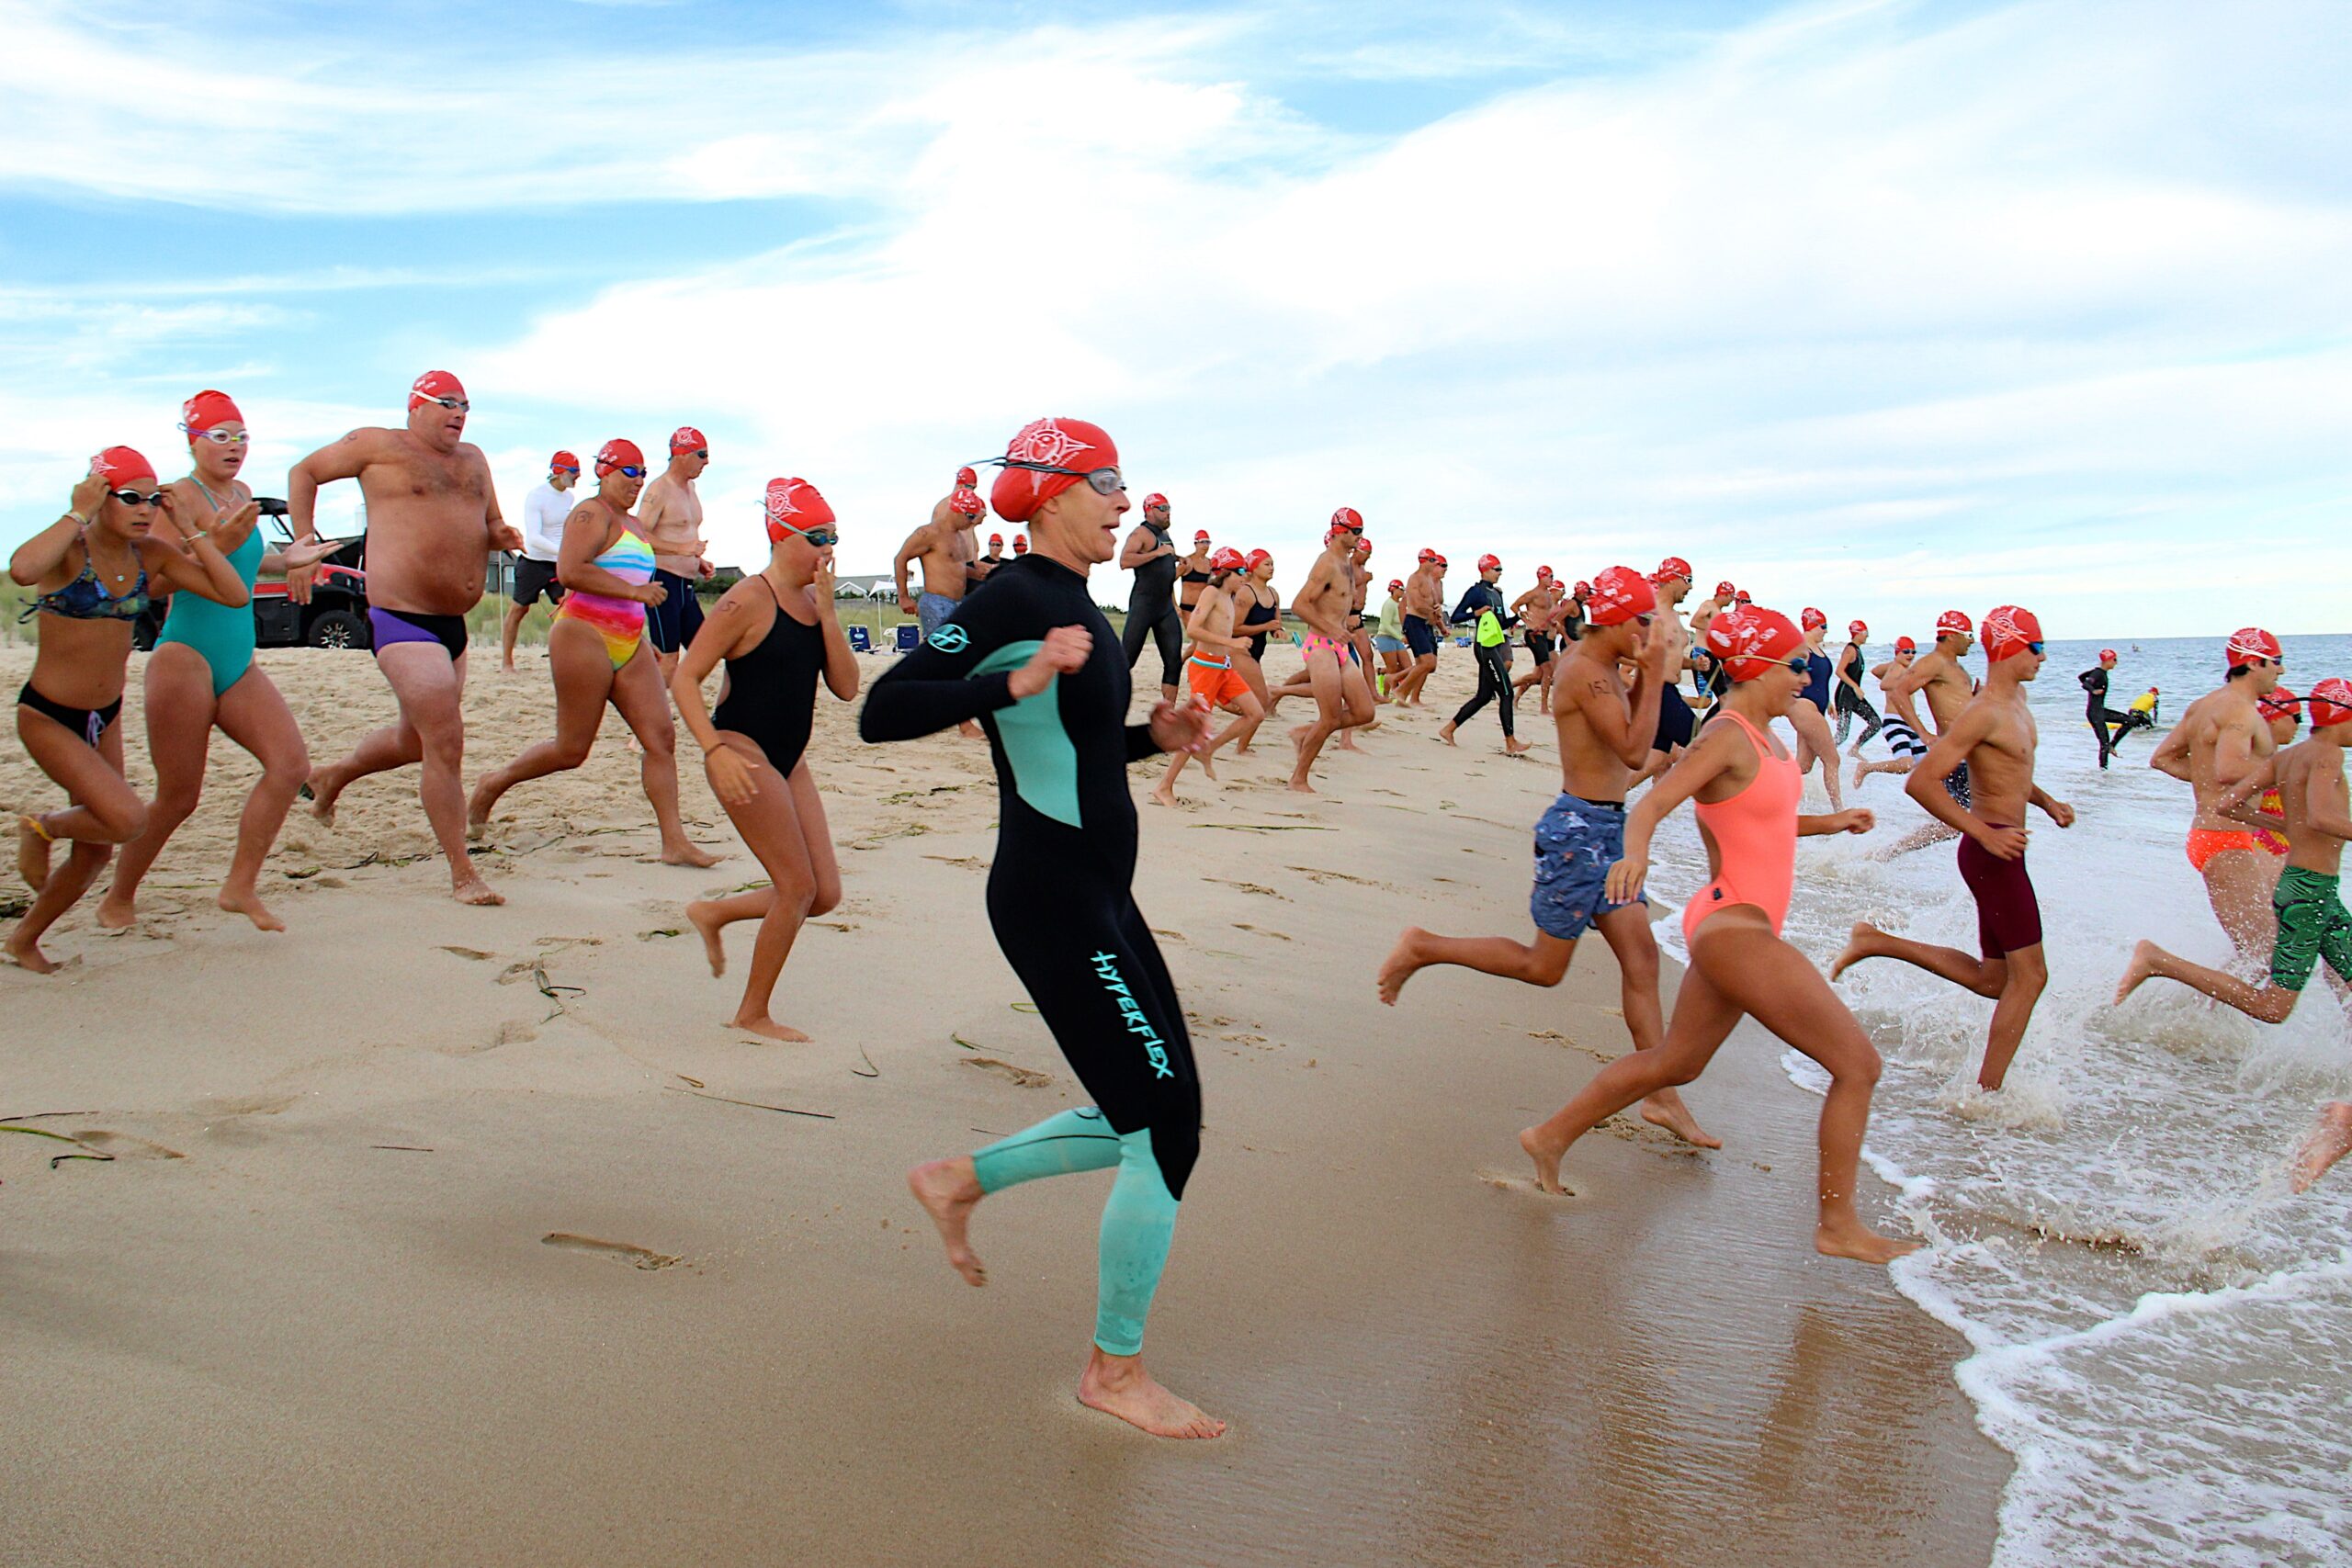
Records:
x=1062, y=1144
x=1045, y=763
x=223, y=636
x=1139, y=1223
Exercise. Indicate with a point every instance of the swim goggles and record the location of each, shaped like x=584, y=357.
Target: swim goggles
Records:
x=133, y=498
x=629, y=470
x=459, y=405
x=1799, y=666
x=222, y=436
x=823, y=538
x=1104, y=481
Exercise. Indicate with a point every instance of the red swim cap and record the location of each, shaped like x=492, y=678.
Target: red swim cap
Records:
x=1258, y=558
x=1581, y=590
x=1491, y=563
x=1396, y=585
x=794, y=507
x=564, y=460
x=967, y=480
x=2279, y=703
x=1428, y=554
x=120, y=465
x=431, y=385
x=2250, y=643
x=2105, y=654
x=1070, y=443
x=2008, y=630
x=617, y=454
x=1858, y=628
x=1751, y=639
x=1618, y=595
x=1348, y=517
x=1440, y=563
x=1951, y=623
x=1742, y=598
x=1810, y=617
x=1363, y=546
x=1905, y=644
x=686, y=438
x=1227, y=559
x=1724, y=590
x=967, y=503
x=1542, y=574
x=208, y=410
x=995, y=540
x=1156, y=499
x=1672, y=566
x=1020, y=544
x=1200, y=537
x=2330, y=703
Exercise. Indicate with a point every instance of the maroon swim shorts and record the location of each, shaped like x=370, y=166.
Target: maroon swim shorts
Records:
x=2008, y=916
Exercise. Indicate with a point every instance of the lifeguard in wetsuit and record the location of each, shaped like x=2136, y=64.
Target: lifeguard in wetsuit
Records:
x=1033, y=660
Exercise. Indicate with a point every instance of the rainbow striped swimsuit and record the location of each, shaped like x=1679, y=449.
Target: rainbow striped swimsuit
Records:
x=620, y=622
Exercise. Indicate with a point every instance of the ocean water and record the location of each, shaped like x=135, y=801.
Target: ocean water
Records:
x=2162, y=1333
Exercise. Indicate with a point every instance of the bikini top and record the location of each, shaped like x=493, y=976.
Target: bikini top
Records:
x=86, y=598
x=1754, y=831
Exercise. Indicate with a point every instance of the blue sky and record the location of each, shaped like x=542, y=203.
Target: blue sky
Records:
x=1881, y=307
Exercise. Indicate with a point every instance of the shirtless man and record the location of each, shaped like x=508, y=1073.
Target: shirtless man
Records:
x=1676, y=723
x=1342, y=697
x=1943, y=682
x=1993, y=736
x=1424, y=613
x=1902, y=731
x=1360, y=635
x=1538, y=609
x=2218, y=739
x=2311, y=920
x=945, y=547
x=1604, y=732
x=670, y=514
x=433, y=520
x=1216, y=683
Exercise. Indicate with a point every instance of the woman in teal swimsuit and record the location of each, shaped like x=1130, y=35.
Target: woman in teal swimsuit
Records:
x=93, y=569
x=202, y=676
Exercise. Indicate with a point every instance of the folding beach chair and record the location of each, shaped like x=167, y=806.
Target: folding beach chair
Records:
x=908, y=636
x=859, y=642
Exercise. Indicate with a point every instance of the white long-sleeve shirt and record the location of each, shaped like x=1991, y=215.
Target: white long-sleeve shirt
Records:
x=544, y=511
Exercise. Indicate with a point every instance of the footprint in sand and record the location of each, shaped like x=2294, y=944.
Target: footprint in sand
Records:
x=1027, y=1077
x=1260, y=931
x=475, y=953
x=122, y=1145
x=1248, y=886
x=635, y=1257
x=1502, y=1183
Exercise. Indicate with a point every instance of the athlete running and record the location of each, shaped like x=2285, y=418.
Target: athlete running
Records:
x=599, y=653
x=779, y=634
x=1342, y=697
x=1482, y=605
x=1900, y=734
x=1604, y=732
x=1388, y=640
x=1192, y=573
x=1941, y=680
x=1676, y=722
x=202, y=676
x=1995, y=737
x=2221, y=739
x=432, y=521
x=2104, y=720
x=943, y=546
x=1034, y=659
x=1152, y=556
x=1424, y=614
x=1748, y=791
x=1810, y=716
x=1261, y=608
x=1209, y=666
x=1848, y=694
x=2313, y=922
x=1539, y=610
x=670, y=512
x=544, y=509
x=91, y=571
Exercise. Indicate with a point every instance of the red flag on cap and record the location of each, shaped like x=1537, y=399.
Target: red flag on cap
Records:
x=2008, y=628
x=1619, y=594
x=794, y=507
x=686, y=438
x=434, y=383
x=208, y=410
x=618, y=453
x=2250, y=643
x=1071, y=445
x=1750, y=640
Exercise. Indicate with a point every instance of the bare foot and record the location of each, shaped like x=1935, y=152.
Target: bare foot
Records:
x=118, y=914
x=2328, y=1140
x=1346, y=741
x=1298, y=736
x=1665, y=1109
x=32, y=853
x=1404, y=961
x=971, y=730
x=471, y=889
x=1445, y=732
x=28, y=956
x=478, y=808
x=323, y=793
x=1849, y=1237
x=2141, y=968
x=1852, y=953
x=768, y=1029
x=1117, y=1385
x=949, y=1192
x=1163, y=796
x=704, y=918
x=1515, y=746
x=1860, y=773
x=1207, y=760
x=1547, y=1162
x=246, y=902
x=1300, y=786
x=688, y=853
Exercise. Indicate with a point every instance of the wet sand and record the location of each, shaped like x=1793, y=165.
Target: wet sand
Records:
x=412, y=1251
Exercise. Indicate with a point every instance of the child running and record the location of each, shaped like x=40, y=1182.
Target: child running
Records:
x=1209, y=666
x=1746, y=789
x=779, y=635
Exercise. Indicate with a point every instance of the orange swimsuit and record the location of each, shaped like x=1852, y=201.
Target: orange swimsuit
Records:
x=1754, y=838
x=2204, y=843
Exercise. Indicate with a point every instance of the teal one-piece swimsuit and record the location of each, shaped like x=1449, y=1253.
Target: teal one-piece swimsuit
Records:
x=222, y=635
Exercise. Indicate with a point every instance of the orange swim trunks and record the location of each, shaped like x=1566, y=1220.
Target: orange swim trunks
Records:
x=2204, y=843
x=1216, y=685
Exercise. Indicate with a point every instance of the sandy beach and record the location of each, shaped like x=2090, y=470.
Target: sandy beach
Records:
x=433, y=1233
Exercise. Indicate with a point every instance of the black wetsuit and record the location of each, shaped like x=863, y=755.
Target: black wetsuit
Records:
x=1850, y=700
x=771, y=689
x=1060, y=900
x=2100, y=716
x=1151, y=612
x=1494, y=659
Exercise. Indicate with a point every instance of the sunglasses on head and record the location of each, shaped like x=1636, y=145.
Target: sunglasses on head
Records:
x=823, y=538
x=220, y=436
x=628, y=471
x=1104, y=481
x=458, y=404
x=134, y=498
